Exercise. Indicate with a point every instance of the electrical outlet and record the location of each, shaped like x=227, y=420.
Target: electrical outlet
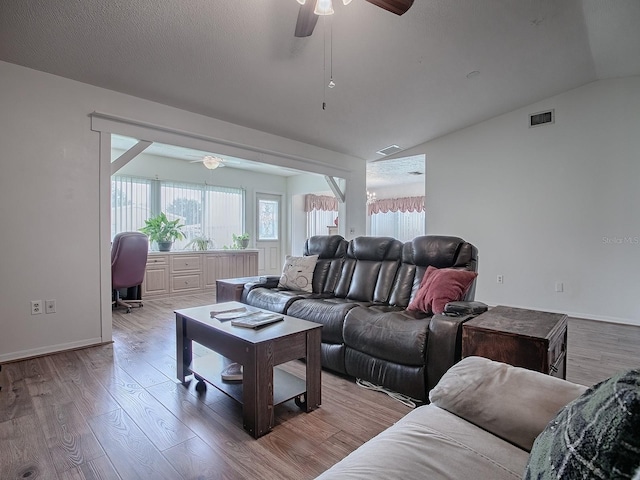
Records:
x=36, y=307
x=49, y=306
x=500, y=279
x=559, y=287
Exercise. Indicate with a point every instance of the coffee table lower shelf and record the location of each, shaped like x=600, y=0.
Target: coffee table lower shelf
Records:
x=286, y=386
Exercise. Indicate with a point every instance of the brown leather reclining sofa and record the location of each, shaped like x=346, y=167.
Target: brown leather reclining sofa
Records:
x=361, y=289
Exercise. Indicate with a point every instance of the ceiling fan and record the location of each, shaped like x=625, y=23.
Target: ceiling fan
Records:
x=311, y=9
x=211, y=162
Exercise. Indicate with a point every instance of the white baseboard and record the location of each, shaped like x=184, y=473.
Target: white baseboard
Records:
x=581, y=315
x=49, y=349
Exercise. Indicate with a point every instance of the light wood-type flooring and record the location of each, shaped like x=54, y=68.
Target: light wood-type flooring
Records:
x=117, y=412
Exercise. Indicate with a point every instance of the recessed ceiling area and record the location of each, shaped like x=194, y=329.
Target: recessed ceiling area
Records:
x=188, y=155
x=396, y=172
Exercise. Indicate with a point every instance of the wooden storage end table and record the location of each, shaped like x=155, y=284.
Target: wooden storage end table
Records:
x=524, y=338
x=230, y=289
x=258, y=351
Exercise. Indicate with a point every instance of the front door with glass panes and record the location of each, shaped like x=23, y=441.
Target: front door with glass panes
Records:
x=269, y=233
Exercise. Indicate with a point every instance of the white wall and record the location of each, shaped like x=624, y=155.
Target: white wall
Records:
x=52, y=247
x=557, y=203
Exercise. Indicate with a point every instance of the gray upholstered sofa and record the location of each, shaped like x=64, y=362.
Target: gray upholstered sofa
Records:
x=481, y=424
x=360, y=293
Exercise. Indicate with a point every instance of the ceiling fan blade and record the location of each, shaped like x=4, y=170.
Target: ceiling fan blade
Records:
x=306, y=19
x=394, y=6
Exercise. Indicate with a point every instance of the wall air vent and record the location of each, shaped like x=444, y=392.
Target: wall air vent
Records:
x=542, y=118
x=390, y=150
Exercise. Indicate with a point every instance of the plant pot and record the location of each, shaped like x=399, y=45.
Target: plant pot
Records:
x=244, y=243
x=164, y=246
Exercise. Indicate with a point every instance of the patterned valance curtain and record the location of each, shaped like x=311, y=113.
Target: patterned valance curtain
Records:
x=320, y=202
x=405, y=204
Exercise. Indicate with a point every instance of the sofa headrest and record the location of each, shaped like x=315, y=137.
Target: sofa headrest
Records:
x=326, y=246
x=438, y=251
x=375, y=248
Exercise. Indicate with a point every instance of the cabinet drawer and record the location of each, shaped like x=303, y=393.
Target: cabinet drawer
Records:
x=156, y=281
x=181, y=263
x=182, y=283
x=156, y=260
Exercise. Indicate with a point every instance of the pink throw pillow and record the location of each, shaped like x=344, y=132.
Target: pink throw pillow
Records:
x=440, y=286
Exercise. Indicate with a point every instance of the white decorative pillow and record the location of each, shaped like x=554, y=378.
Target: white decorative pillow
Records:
x=297, y=273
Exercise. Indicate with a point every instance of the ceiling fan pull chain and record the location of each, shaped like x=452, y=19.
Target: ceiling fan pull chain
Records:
x=324, y=63
x=331, y=82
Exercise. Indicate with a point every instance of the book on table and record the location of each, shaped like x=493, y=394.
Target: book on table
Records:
x=257, y=319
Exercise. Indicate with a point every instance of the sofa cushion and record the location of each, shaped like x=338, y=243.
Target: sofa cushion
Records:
x=430, y=250
x=297, y=273
x=431, y=443
x=329, y=312
x=434, y=250
x=400, y=337
x=595, y=436
x=511, y=402
x=331, y=251
x=439, y=287
x=370, y=269
x=375, y=249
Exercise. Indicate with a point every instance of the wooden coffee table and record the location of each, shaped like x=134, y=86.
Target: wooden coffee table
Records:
x=262, y=386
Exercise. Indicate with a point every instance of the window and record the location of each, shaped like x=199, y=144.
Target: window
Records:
x=322, y=212
x=319, y=220
x=212, y=212
x=401, y=218
x=130, y=203
x=268, y=219
x=403, y=226
x=184, y=202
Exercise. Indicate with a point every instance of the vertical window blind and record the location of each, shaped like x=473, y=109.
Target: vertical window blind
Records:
x=205, y=211
x=403, y=226
x=401, y=218
x=322, y=212
x=130, y=203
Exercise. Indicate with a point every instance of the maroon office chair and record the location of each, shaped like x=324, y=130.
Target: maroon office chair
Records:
x=128, y=262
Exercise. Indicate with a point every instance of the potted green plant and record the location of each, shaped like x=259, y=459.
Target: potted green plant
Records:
x=199, y=243
x=241, y=241
x=163, y=231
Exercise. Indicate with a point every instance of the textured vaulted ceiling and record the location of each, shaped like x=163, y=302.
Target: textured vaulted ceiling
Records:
x=400, y=80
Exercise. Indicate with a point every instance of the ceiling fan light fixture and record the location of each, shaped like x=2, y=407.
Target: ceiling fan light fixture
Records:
x=324, y=7
x=211, y=162
x=301, y=2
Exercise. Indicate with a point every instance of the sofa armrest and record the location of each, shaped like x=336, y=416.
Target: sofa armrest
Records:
x=266, y=281
x=465, y=307
x=513, y=403
x=444, y=345
x=271, y=280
